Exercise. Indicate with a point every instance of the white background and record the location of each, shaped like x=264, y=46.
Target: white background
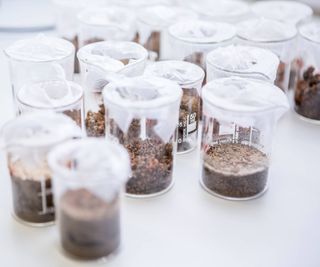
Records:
x=187, y=226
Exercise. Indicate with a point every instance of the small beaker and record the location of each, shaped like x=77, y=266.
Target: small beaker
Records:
x=39, y=59
x=98, y=61
x=27, y=140
x=239, y=119
x=88, y=177
x=142, y=114
x=276, y=36
x=242, y=61
x=307, y=90
x=190, y=78
x=56, y=95
x=153, y=22
x=192, y=40
x=112, y=23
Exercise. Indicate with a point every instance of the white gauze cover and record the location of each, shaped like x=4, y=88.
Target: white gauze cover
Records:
x=144, y=97
x=186, y=74
x=101, y=166
x=225, y=97
x=103, y=58
x=50, y=94
x=245, y=60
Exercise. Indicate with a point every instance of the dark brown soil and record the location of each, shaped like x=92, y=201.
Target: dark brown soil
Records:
x=235, y=170
x=89, y=226
x=151, y=158
x=28, y=200
x=95, y=122
x=307, y=95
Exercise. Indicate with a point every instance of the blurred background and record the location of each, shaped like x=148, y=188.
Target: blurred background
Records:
x=38, y=15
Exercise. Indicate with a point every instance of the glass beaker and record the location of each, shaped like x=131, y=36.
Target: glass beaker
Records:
x=307, y=90
x=192, y=40
x=290, y=12
x=153, y=22
x=242, y=61
x=276, y=36
x=239, y=118
x=39, y=59
x=221, y=10
x=112, y=23
x=56, y=95
x=27, y=140
x=142, y=114
x=190, y=78
x=67, y=22
x=98, y=61
x=89, y=176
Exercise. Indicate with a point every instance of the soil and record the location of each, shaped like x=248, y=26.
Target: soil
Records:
x=151, y=158
x=235, y=170
x=307, y=94
x=89, y=225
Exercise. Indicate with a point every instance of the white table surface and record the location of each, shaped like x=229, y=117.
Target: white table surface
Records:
x=187, y=226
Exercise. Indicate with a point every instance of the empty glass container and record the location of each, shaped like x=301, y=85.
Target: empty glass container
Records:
x=89, y=176
x=307, y=90
x=239, y=118
x=242, y=61
x=112, y=23
x=192, y=40
x=274, y=35
x=99, y=62
x=142, y=114
x=27, y=141
x=190, y=78
x=57, y=95
x=153, y=22
x=39, y=58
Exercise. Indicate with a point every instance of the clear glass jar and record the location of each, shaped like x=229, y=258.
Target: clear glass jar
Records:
x=190, y=78
x=27, y=140
x=307, y=90
x=87, y=189
x=239, y=118
x=290, y=12
x=276, y=36
x=56, y=95
x=229, y=11
x=192, y=40
x=112, y=23
x=242, y=61
x=39, y=59
x=142, y=114
x=153, y=22
x=99, y=61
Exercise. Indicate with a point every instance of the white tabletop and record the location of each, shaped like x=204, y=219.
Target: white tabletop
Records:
x=187, y=226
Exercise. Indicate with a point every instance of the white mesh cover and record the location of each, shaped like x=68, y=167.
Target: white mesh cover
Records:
x=144, y=97
x=184, y=73
x=112, y=16
x=266, y=30
x=50, y=94
x=103, y=58
x=240, y=95
x=40, y=48
x=286, y=11
x=197, y=31
x=221, y=10
x=39, y=129
x=253, y=61
x=159, y=17
x=96, y=164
